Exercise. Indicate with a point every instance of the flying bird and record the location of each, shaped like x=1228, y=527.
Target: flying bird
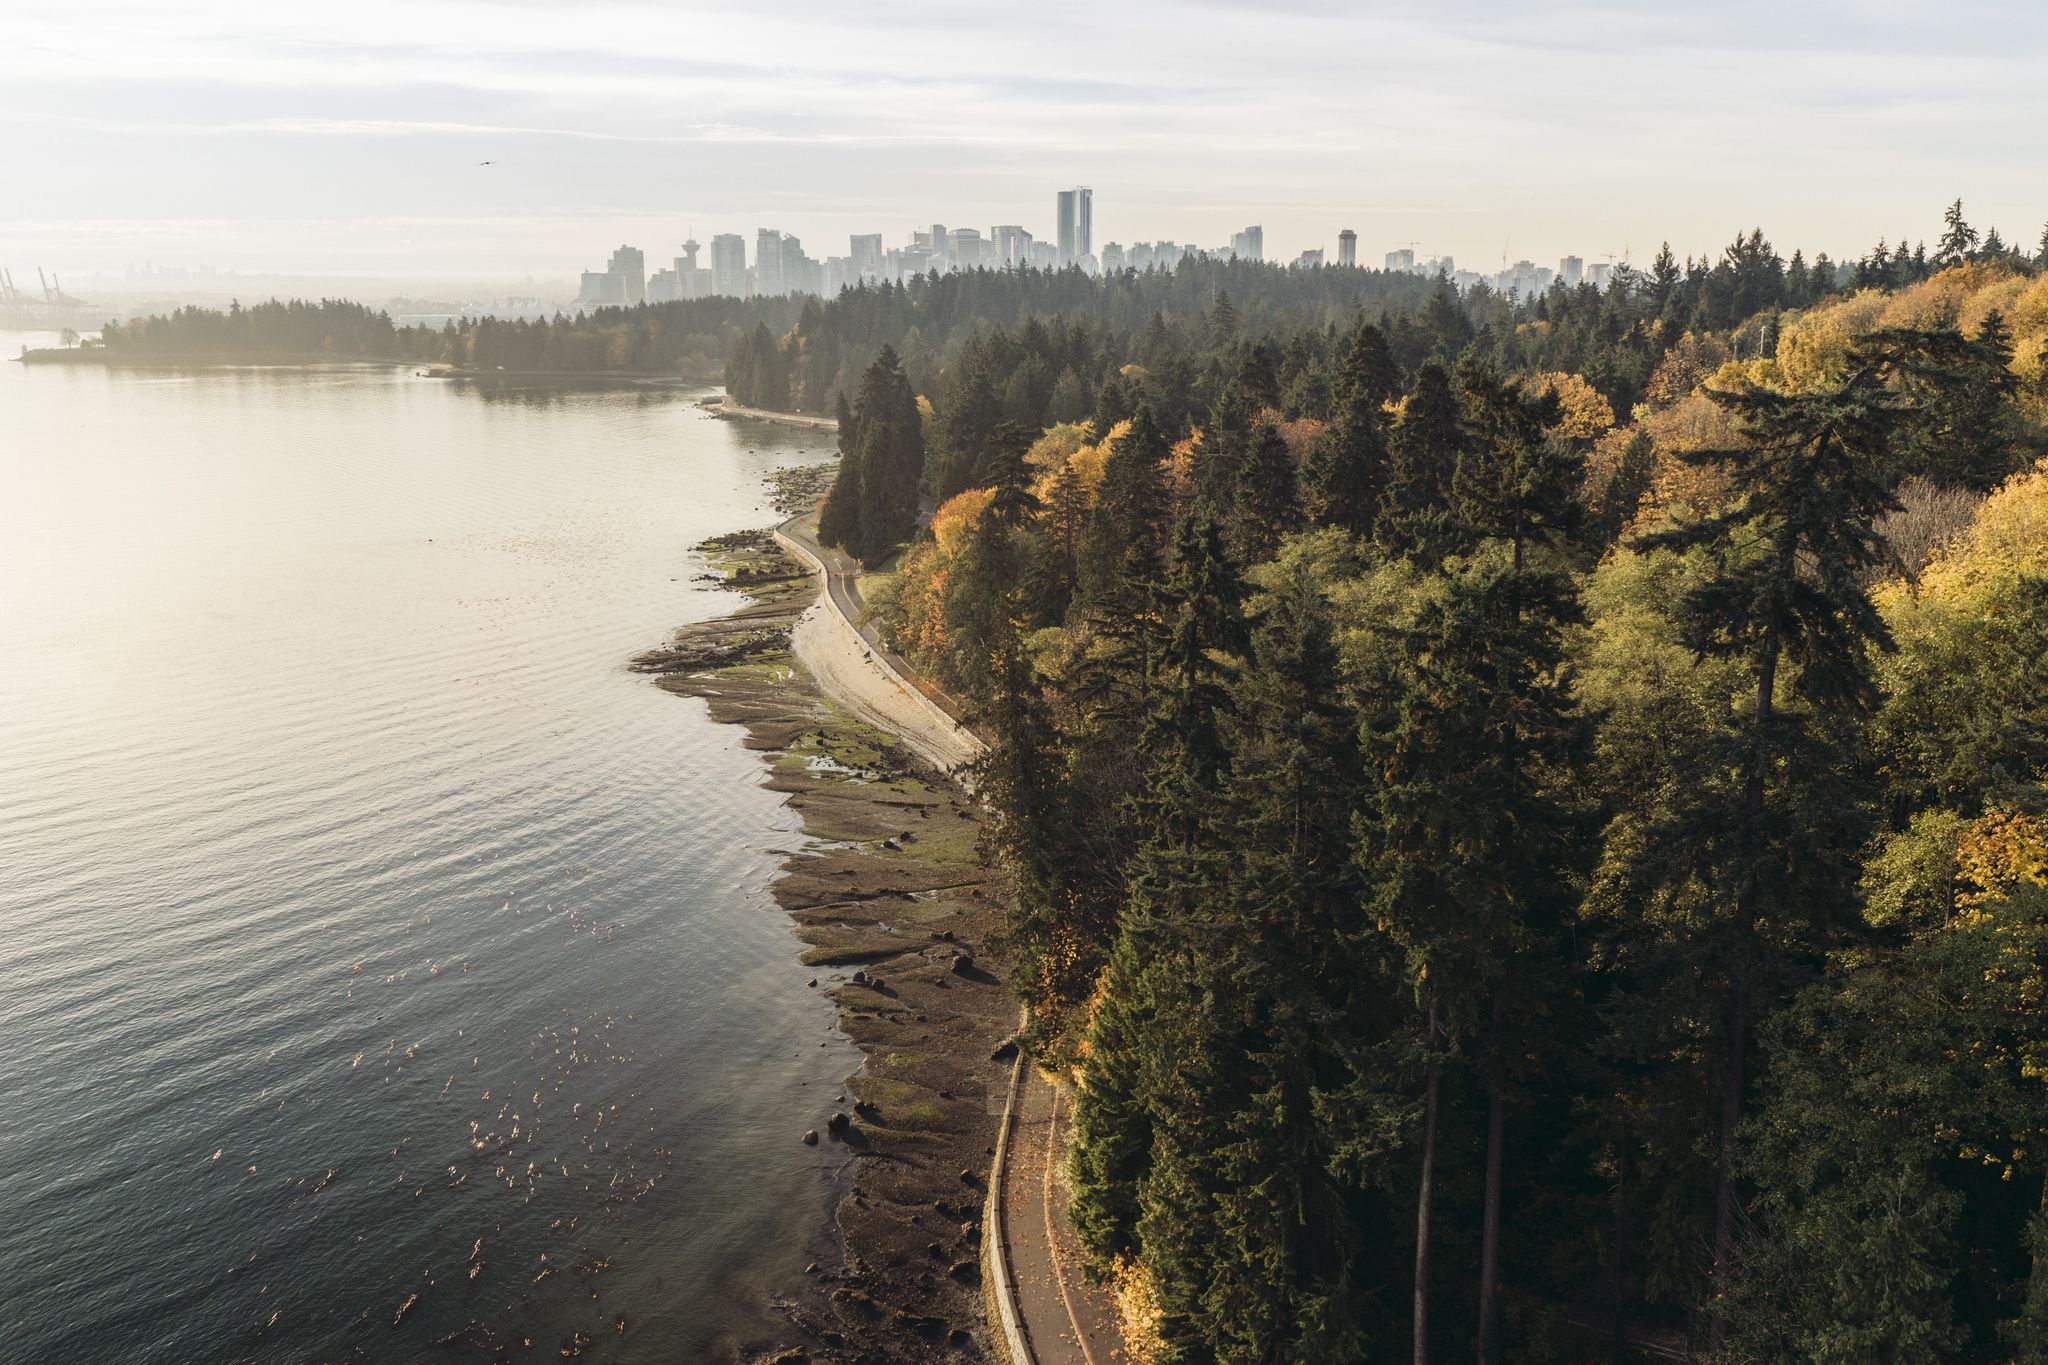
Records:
x=486, y=163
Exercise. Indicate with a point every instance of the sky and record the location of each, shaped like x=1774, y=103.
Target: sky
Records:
x=344, y=138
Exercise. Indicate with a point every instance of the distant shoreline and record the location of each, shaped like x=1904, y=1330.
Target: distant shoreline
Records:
x=725, y=407
x=100, y=355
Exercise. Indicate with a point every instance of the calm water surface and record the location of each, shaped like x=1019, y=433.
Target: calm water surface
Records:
x=366, y=931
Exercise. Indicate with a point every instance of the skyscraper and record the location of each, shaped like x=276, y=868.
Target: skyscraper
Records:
x=1571, y=270
x=1249, y=245
x=1347, y=247
x=768, y=262
x=631, y=267
x=729, y=265
x=1013, y=244
x=1076, y=217
x=867, y=255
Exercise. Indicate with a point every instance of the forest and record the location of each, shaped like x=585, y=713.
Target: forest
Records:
x=1528, y=818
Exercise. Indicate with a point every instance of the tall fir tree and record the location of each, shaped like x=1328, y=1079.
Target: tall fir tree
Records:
x=1794, y=550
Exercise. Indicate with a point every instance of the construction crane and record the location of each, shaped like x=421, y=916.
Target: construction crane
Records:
x=52, y=308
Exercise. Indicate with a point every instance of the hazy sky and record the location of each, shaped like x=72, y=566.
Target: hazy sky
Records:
x=344, y=137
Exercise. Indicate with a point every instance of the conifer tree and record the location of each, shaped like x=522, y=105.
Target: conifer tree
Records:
x=1959, y=426
x=1423, y=456
x=872, y=507
x=969, y=413
x=1958, y=238
x=1268, y=504
x=1281, y=1285
x=1794, y=550
x=1125, y=1133
x=840, y=515
x=1344, y=478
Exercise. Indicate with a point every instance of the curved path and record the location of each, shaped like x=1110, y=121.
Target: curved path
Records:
x=851, y=664
x=1048, y=1312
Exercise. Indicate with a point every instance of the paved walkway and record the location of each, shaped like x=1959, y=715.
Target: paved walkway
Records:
x=849, y=662
x=1067, y=1320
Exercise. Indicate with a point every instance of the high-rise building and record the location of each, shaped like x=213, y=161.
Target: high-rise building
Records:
x=1309, y=259
x=1571, y=270
x=1113, y=260
x=631, y=267
x=1601, y=273
x=965, y=246
x=1524, y=278
x=1402, y=261
x=1076, y=219
x=1347, y=248
x=600, y=289
x=768, y=263
x=1012, y=244
x=729, y=265
x=867, y=256
x=1249, y=245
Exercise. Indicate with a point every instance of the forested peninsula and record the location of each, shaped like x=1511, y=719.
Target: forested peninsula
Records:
x=1528, y=818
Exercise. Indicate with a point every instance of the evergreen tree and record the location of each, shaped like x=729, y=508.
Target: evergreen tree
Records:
x=1268, y=505
x=1958, y=238
x=839, y=518
x=969, y=413
x=872, y=507
x=1134, y=1128
x=1795, y=549
x=1423, y=457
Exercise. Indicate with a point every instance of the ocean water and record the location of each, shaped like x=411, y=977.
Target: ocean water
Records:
x=380, y=962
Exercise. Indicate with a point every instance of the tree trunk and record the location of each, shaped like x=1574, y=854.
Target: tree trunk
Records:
x=1621, y=1248
x=1738, y=1003
x=1489, y=1250
x=1724, y=1185
x=1429, y=1097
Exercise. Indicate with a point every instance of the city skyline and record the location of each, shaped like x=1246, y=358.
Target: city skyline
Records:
x=185, y=134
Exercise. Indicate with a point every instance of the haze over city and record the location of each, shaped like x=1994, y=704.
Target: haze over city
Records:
x=182, y=133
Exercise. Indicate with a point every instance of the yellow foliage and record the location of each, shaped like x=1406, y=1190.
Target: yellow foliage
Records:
x=1585, y=410
x=1134, y=371
x=1063, y=448
x=2000, y=853
x=1089, y=461
x=2007, y=540
x=1137, y=1311
x=1811, y=345
x=953, y=520
x=1689, y=360
x=1051, y=450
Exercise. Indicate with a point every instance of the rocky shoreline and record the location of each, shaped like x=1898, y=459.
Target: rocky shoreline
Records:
x=899, y=915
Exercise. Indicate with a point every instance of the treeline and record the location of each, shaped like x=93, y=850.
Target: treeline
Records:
x=1532, y=839
x=663, y=338
x=330, y=327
